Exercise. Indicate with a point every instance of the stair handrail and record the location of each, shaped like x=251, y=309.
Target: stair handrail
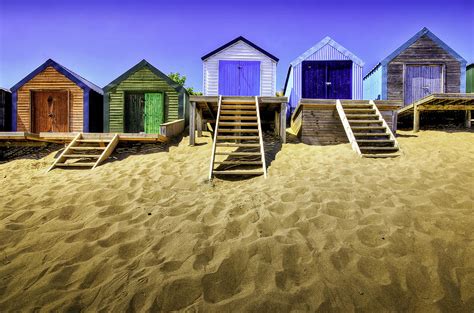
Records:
x=213, y=155
x=385, y=124
x=262, y=150
x=107, y=151
x=347, y=127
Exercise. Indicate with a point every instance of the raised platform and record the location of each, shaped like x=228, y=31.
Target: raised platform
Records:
x=205, y=108
x=440, y=102
x=67, y=137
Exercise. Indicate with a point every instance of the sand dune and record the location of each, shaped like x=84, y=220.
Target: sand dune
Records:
x=326, y=232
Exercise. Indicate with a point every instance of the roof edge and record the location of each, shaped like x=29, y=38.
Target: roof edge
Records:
x=234, y=41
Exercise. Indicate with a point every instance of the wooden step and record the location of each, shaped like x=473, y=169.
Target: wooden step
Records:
x=87, y=148
x=94, y=140
x=234, y=153
x=237, y=130
x=238, y=112
x=368, y=127
x=357, y=106
x=371, y=135
x=239, y=162
x=349, y=116
x=238, y=137
x=238, y=145
x=238, y=107
x=228, y=172
x=91, y=156
x=381, y=155
x=359, y=110
x=374, y=141
x=236, y=101
x=77, y=164
x=365, y=121
x=378, y=148
x=238, y=118
x=237, y=124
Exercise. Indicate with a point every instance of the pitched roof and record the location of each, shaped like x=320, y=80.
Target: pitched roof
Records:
x=470, y=66
x=144, y=63
x=243, y=39
x=327, y=41
x=5, y=89
x=76, y=78
x=423, y=32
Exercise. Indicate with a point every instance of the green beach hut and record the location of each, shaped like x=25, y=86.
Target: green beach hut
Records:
x=141, y=100
x=470, y=78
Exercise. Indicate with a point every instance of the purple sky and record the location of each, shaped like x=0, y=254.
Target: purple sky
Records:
x=101, y=39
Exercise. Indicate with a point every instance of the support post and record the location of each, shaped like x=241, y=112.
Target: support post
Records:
x=283, y=122
x=416, y=119
x=468, y=118
x=277, y=123
x=192, y=124
x=199, y=122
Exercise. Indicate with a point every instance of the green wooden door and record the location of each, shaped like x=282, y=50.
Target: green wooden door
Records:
x=154, y=112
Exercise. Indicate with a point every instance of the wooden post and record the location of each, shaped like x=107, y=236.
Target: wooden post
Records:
x=199, y=122
x=283, y=122
x=468, y=118
x=416, y=119
x=277, y=123
x=192, y=124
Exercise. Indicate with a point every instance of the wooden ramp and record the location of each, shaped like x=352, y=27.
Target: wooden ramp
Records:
x=367, y=131
x=237, y=148
x=86, y=152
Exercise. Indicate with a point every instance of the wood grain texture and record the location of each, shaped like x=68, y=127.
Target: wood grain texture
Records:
x=50, y=79
x=141, y=81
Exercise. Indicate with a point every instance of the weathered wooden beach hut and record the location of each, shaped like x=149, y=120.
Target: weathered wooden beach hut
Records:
x=421, y=66
x=239, y=68
x=53, y=98
x=325, y=71
x=144, y=100
x=5, y=109
x=470, y=78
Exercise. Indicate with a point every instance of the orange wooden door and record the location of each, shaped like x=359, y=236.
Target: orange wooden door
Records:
x=50, y=111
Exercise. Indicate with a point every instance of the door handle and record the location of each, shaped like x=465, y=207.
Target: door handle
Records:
x=328, y=83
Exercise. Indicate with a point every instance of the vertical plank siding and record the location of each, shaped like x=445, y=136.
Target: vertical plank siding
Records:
x=239, y=51
x=50, y=79
x=5, y=110
x=470, y=78
x=373, y=84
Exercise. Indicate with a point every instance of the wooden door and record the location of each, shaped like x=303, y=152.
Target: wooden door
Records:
x=239, y=78
x=421, y=81
x=134, y=113
x=154, y=112
x=327, y=79
x=50, y=111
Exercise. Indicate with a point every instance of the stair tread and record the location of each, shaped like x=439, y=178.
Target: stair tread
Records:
x=238, y=112
x=368, y=127
x=238, y=107
x=81, y=155
x=239, y=153
x=372, y=134
x=381, y=155
x=87, y=148
x=239, y=162
x=374, y=140
x=77, y=164
x=238, y=118
x=236, y=130
x=365, y=121
x=378, y=148
x=238, y=172
x=94, y=140
x=238, y=137
x=237, y=124
x=243, y=145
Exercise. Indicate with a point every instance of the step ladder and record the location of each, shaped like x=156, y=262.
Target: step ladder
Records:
x=86, y=152
x=367, y=131
x=238, y=140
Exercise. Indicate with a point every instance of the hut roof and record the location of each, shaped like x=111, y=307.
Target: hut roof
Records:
x=327, y=41
x=144, y=63
x=409, y=42
x=76, y=78
x=245, y=40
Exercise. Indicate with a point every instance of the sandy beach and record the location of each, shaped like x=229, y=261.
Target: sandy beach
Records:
x=326, y=232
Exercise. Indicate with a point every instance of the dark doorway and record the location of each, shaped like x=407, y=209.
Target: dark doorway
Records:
x=327, y=79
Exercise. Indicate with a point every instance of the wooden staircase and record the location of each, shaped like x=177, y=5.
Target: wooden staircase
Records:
x=367, y=131
x=238, y=141
x=86, y=152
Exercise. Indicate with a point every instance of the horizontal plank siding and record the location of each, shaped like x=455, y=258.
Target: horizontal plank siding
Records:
x=142, y=80
x=242, y=52
x=50, y=79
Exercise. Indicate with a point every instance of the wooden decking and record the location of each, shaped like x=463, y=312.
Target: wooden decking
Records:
x=67, y=137
x=440, y=102
x=204, y=109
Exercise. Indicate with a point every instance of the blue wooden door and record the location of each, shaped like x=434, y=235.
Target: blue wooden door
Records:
x=421, y=81
x=239, y=78
x=327, y=79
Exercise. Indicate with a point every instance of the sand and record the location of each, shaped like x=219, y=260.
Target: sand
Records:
x=326, y=232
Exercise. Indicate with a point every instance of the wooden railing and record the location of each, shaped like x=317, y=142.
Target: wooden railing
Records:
x=172, y=129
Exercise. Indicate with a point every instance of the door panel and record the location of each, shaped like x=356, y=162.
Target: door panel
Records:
x=134, y=113
x=50, y=111
x=239, y=78
x=314, y=79
x=154, y=112
x=421, y=81
x=339, y=75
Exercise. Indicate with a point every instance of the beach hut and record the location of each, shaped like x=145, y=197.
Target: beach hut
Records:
x=53, y=98
x=239, y=68
x=470, y=78
x=325, y=71
x=143, y=99
x=421, y=66
x=5, y=109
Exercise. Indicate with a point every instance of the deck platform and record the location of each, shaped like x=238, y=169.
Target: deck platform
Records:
x=67, y=137
x=204, y=109
x=440, y=102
